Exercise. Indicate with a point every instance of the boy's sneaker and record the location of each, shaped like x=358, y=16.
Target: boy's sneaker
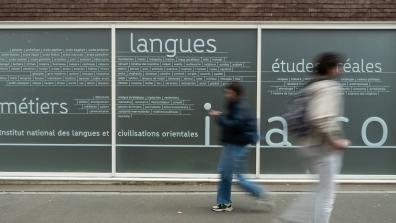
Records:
x=266, y=202
x=222, y=207
x=280, y=220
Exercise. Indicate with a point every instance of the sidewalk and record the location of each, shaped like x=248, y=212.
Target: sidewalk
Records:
x=175, y=204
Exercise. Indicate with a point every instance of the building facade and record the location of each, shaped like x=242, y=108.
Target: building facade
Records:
x=121, y=89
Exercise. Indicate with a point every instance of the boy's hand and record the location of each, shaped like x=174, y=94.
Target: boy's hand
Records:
x=215, y=113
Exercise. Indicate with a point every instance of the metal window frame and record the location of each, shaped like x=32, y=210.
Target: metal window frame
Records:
x=254, y=25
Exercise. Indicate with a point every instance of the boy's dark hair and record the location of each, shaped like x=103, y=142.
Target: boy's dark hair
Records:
x=236, y=87
x=327, y=61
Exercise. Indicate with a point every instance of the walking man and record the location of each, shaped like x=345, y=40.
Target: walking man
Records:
x=323, y=146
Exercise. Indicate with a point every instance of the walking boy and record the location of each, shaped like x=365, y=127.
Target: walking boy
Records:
x=235, y=139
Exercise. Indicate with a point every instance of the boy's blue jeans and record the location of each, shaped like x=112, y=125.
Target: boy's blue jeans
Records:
x=234, y=160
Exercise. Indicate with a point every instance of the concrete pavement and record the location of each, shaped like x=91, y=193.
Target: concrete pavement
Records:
x=128, y=206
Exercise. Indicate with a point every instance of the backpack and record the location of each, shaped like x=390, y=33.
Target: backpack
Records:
x=296, y=119
x=250, y=130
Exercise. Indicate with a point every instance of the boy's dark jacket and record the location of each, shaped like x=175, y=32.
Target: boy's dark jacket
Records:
x=237, y=122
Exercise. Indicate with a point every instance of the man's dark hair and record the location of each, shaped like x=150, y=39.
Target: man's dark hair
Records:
x=327, y=61
x=236, y=87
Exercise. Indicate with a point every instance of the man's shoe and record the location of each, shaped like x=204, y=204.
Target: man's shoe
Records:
x=222, y=207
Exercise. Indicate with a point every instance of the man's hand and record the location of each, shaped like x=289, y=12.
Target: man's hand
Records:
x=341, y=144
